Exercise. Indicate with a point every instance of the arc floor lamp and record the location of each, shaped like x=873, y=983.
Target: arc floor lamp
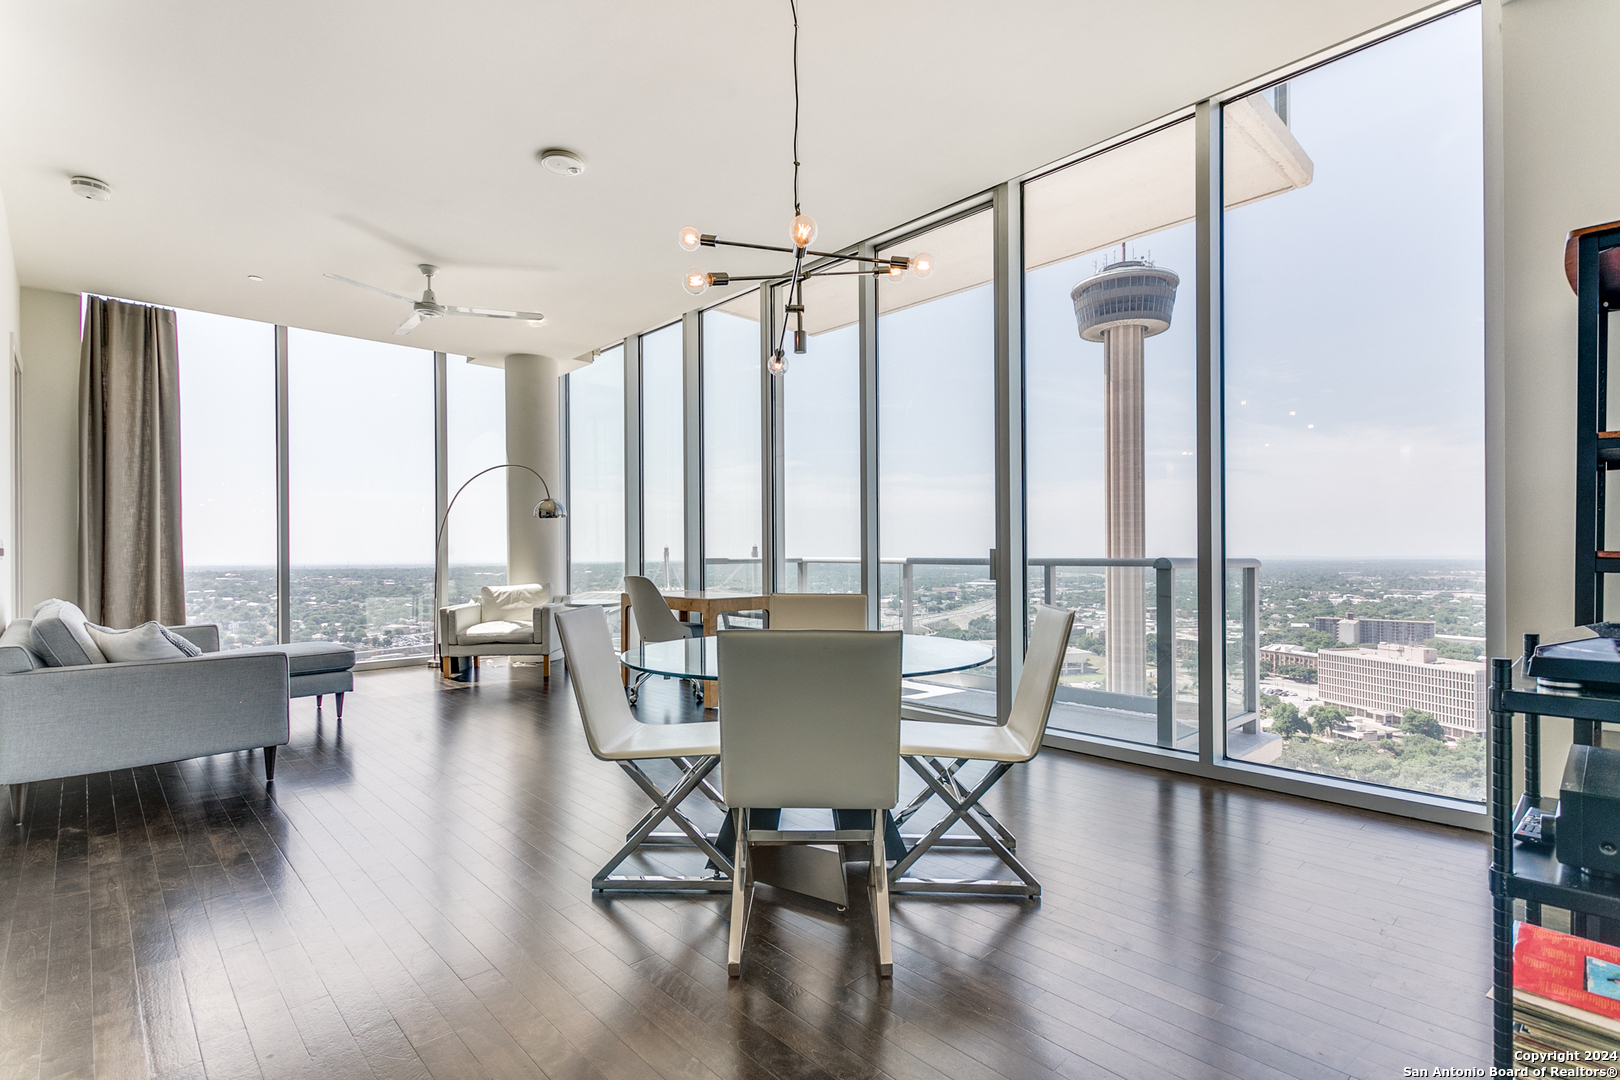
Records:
x=547, y=508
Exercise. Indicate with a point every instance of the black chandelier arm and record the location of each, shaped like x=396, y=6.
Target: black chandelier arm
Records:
x=876, y=261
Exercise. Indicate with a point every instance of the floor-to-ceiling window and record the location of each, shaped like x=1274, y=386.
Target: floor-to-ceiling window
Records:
x=475, y=429
x=821, y=443
x=936, y=453
x=731, y=446
x=596, y=474
x=362, y=477
x=1110, y=417
x=663, y=446
x=1354, y=400
x=228, y=474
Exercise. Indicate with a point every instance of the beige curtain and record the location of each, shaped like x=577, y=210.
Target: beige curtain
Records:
x=130, y=565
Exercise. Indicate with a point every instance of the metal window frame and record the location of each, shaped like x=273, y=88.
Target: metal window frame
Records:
x=634, y=543
x=1009, y=559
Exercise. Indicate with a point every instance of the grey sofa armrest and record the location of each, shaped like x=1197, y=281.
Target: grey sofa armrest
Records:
x=64, y=721
x=203, y=635
x=456, y=618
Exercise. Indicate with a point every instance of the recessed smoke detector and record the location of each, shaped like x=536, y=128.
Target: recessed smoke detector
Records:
x=255, y=277
x=88, y=187
x=562, y=162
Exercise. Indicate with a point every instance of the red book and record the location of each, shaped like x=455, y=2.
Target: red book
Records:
x=1571, y=970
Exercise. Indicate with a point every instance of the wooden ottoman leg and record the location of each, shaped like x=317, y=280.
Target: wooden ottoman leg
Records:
x=269, y=764
x=340, y=704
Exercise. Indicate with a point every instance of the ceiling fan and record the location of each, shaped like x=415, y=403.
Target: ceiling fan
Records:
x=429, y=308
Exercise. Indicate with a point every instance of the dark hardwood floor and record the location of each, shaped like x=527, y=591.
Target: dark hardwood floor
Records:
x=411, y=899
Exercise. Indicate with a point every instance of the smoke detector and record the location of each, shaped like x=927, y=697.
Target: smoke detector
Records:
x=88, y=187
x=562, y=162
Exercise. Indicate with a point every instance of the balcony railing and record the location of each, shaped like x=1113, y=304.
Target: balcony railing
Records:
x=1166, y=602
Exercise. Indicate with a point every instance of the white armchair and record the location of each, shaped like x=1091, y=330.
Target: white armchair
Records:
x=505, y=620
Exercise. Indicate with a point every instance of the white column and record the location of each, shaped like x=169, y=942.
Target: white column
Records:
x=534, y=548
x=1125, y=661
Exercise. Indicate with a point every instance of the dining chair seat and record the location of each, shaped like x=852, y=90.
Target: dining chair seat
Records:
x=980, y=742
x=664, y=741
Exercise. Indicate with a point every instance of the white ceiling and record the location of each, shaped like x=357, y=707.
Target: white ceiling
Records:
x=298, y=138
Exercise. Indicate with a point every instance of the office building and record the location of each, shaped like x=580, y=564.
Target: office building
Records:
x=1358, y=631
x=1383, y=683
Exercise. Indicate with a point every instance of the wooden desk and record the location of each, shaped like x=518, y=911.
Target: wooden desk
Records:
x=708, y=605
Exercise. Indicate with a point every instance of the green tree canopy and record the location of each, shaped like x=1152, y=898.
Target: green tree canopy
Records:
x=1418, y=722
x=1326, y=718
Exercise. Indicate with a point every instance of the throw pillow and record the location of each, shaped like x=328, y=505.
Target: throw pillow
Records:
x=512, y=603
x=148, y=641
x=60, y=637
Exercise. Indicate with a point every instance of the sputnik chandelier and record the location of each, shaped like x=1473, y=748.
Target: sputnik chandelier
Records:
x=893, y=267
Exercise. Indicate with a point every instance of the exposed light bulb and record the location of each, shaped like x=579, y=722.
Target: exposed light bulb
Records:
x=922, y=264
x=778, y=364
x=690, y=238
x=896, y=273
x=697, y=281
x=804, y=230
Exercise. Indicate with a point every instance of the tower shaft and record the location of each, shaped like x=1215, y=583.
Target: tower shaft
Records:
x=1125, y=659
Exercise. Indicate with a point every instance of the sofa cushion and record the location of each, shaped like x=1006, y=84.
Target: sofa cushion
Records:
x=310, y=657
x=148, y=641
x=512, y=603
x=60, y=636
x=497, y=632
x=17, y=655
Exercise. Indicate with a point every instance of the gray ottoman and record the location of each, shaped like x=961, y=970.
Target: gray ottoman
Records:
x=315, y=667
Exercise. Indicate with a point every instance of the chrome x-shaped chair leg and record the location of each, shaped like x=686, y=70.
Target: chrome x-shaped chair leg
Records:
x=948, y=775
x=667, y=805
x=662, y=839
x=964, y=807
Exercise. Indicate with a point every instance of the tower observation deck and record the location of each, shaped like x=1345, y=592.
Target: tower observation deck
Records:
x=1121, y=306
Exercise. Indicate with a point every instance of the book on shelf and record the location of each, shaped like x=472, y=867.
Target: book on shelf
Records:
x=1566, y=991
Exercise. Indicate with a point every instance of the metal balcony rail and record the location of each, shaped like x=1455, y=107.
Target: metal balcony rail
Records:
x=1244, y=629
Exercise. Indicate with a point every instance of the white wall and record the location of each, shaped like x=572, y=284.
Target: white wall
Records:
x=1560, y=156
x=10, y=333
x=49, y=550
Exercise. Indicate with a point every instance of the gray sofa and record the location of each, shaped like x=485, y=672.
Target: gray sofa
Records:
x=64, y=719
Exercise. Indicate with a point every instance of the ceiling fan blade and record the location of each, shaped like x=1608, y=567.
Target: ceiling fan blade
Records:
x=373, y=288
x=409, y=324
x=491, y=313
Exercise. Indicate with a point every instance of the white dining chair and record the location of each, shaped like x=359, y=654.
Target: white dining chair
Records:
x=925, y=744
x=614, y=734
x=812, y=719
x=818, y=611
x=654, y=622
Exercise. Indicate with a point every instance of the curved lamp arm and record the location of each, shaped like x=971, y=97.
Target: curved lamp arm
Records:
x=545, y=508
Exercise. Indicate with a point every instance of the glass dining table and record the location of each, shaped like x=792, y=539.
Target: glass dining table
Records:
x=699, y=658
x=814, y=871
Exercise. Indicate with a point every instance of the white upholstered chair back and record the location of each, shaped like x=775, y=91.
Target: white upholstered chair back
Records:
x=811, y=718
x=654, y=620
x=818, y=611
x=1037, y=686
x=594, y=674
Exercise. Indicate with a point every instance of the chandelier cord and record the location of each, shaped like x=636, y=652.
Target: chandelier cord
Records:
x=794, y=8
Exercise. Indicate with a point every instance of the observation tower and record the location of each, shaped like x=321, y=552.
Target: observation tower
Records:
x=1123, y=305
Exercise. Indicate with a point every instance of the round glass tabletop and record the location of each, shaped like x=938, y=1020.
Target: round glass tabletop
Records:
x=699, y=658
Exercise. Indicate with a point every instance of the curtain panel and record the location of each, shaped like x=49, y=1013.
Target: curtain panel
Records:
x=131, y=567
